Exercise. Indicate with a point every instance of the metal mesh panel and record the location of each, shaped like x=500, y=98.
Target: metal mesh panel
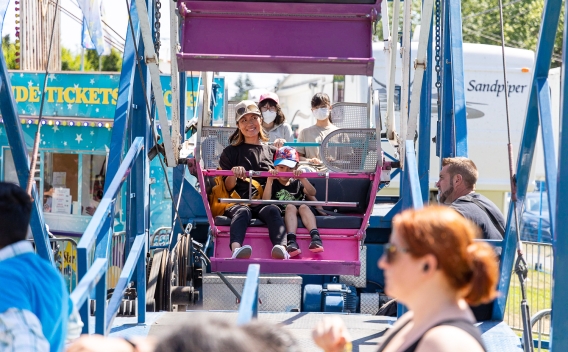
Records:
x=231, y=113
x=369, y=303
x=277, y=292
x=361, y=280
x=350, y=150
x=350, y=115
x=213, y=141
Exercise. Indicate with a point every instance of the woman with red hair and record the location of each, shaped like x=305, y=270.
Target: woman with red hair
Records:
x=433, y=266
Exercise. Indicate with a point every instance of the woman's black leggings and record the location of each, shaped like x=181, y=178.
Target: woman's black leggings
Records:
x=269, y=214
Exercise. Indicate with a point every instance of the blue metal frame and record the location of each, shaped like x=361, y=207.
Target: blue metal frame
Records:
x=9, y=111
x=559, y=324
x=412, y=195
x=248, y=309
x=538, y=113
x=452, y=131
x=138, y=202
x=424, y=125
x=94, y=278
x=94, y=232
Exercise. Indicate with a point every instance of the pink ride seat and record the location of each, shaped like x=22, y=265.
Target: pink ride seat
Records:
x=339, y=235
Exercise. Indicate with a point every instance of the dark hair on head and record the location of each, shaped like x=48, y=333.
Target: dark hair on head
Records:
x=464, y=167
x=271, y=337
x=207, y=335
x=47, y=187
x=15, y=212
x=319, y=99
x=280, y=118
x=470, y=267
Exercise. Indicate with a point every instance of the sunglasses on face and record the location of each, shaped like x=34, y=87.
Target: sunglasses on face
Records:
x=391, y=252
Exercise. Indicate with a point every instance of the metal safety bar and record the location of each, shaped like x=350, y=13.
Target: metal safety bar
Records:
x=88, y=276
x=325, y=175
x=343, y=175
x=96, y=276
x=248, y=308
x=293, y=202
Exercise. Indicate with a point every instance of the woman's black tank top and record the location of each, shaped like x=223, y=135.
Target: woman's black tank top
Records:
x=460, y=324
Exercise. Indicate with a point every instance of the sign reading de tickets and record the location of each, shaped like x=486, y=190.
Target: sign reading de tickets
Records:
x=92, y=95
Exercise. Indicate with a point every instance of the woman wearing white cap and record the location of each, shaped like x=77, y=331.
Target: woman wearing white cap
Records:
x=248, y=153
x=273, y=119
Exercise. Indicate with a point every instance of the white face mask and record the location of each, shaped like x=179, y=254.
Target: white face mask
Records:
x=321, y=113
x=269, y=116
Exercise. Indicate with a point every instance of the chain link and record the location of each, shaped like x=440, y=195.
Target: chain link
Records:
x=438, y=48
x=158, y=15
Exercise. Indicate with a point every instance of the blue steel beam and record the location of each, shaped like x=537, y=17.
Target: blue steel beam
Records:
x=17, y=143
x=424, y=125
x=559, y=323
x=458, y=80
x=412, y=195
x=248, y=308
x=117, y=145
x=447, y=123
x=545, y=114
x=138, y=204
x=121, y=119
x=545, y=45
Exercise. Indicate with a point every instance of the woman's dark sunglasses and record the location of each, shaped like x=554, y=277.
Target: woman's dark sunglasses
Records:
x=391, y=251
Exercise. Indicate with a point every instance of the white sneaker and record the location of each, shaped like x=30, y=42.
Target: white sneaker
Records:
x=243, y=252
x=280, y=252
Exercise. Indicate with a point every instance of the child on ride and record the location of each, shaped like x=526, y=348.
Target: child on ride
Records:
x=286, y=159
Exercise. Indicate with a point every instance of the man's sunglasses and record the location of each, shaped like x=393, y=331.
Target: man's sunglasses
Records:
x=391, y=251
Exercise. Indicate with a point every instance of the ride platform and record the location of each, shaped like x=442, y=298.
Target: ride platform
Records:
x=366, y=330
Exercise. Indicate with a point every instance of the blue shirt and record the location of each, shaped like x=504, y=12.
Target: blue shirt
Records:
x=30, y=283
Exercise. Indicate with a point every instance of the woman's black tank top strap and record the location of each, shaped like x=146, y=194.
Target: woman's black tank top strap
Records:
x=460, y=324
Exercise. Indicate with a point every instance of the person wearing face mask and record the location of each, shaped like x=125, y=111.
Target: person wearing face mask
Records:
x=321, y=110
x=273, y=119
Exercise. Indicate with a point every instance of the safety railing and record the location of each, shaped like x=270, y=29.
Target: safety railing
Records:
x=95, y=240
x=116, y=259
x=248, y=309
x=540, y=259
x=65, y=257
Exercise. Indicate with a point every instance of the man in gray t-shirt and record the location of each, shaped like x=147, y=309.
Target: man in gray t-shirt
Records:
x=456, y=188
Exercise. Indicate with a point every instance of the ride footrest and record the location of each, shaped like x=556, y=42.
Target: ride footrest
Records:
x=341, y=256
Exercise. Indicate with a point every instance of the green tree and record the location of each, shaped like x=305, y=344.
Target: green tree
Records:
x=109, y=63
x=112, y=62
x=70, y=62
x=480, y=23
x=9, y=49
x=521, y=22
x=244, y=85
